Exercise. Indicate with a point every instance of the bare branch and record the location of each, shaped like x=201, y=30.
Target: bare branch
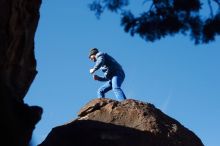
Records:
x=217, y=1
x=210, y=7
x=151, y=6
x=146, y=1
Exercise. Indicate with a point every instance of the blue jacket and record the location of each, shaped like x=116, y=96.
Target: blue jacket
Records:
x=108, y=65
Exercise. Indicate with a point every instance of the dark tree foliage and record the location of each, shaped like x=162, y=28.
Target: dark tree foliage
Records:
x=166, y=17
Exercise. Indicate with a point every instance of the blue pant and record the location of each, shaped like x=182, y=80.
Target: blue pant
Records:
x=115, y=85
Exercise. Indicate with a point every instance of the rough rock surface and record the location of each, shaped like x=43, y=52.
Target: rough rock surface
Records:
x=18, y=23
x=106, y=122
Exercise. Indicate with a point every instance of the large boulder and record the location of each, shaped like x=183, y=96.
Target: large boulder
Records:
x=106, y=122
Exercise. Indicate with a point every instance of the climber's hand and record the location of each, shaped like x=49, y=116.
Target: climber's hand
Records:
x=91, y=71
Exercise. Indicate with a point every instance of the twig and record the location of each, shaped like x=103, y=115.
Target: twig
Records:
x=145, y=1
x=151, y=6
x=210, y=7
x=217, y=1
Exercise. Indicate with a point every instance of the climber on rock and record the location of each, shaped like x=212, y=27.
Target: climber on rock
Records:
x=113, y=73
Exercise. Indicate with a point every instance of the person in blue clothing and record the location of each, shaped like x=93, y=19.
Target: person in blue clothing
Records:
x=113, y=73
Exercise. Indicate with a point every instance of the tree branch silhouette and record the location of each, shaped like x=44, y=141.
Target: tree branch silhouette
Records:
x=165, y=17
